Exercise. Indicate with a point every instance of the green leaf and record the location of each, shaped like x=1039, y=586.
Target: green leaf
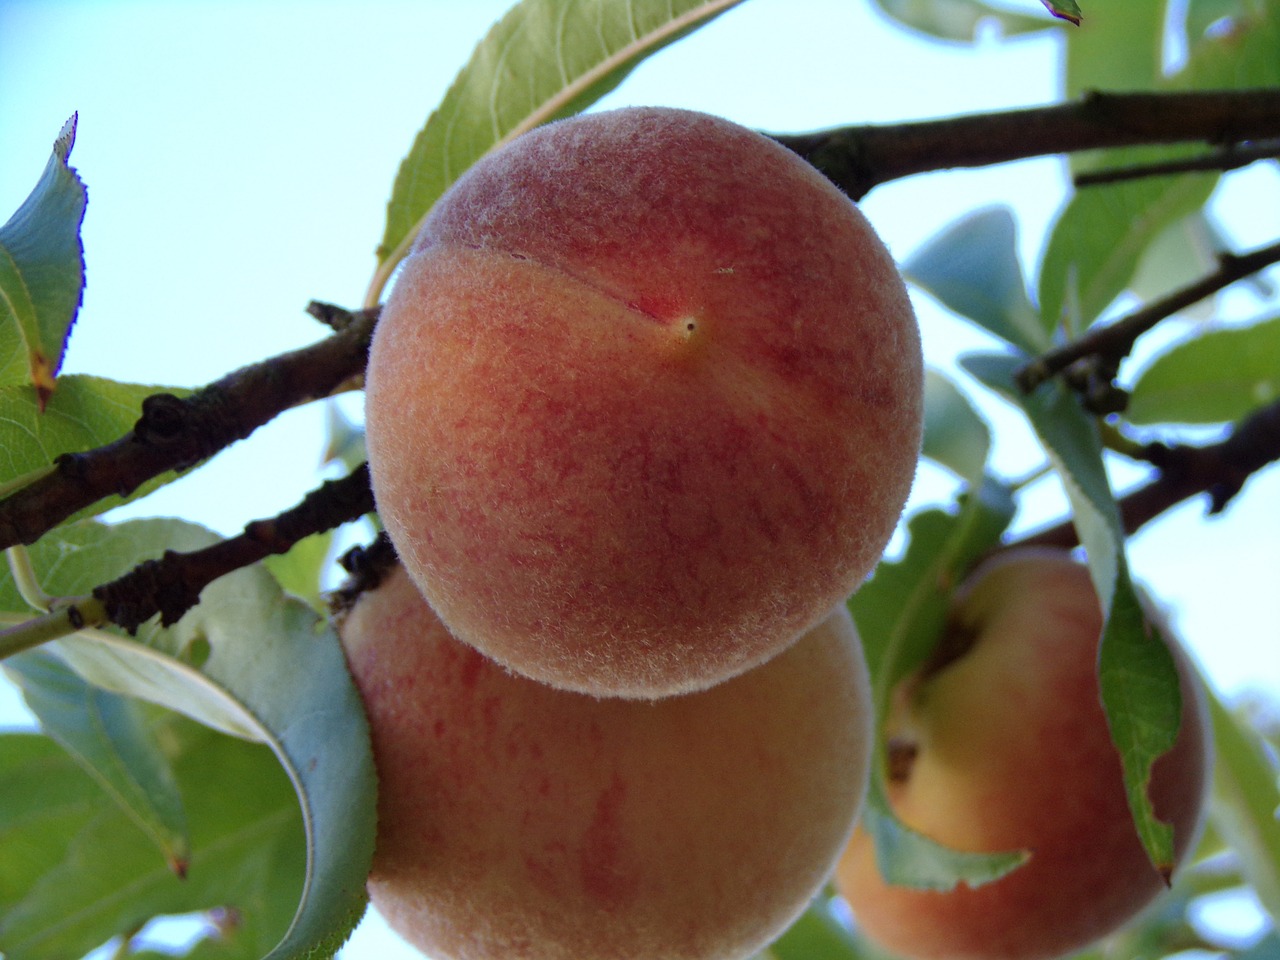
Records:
x=103, y=879
x=544, y=60
x=959, y=20
x=83, y=413
x=1102, y=235
x=1119, y=46
x=109, y=736
x=1189, y=248
x=909, y=858
x=46, y=801
x=1215, y=377
x=1245, y=54
x=1201, y=14
x=972, y=268
x=344, y=439
x=1138, y=680
x=300, y=571
x=900, y=615
x=955, y=435
x=251, y=662
x=816, y=935
x=1246, y=802
x=42, y=273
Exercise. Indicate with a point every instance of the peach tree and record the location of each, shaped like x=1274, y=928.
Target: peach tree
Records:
x=202, y=748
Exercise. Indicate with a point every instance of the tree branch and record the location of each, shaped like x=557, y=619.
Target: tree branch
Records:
x=857, y=159
x=172, y=585
x=1220, y=469
x=1113, y=341
x=174, y=434
x=1232, y=157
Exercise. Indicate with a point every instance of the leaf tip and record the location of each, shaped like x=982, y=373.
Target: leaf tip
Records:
x=1064, y=11
x=66, y=137
x=42, y=378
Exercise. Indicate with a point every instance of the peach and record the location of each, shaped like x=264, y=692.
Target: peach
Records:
x=521, y=821
x=644, y=403
x=1007, y=748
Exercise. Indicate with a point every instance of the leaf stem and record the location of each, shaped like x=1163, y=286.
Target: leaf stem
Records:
x=63, y=621
x=25, y=579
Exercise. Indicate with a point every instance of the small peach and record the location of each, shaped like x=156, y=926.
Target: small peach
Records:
x=1007, y=748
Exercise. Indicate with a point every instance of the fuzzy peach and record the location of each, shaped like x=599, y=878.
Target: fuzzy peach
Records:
x=1007, y=748
x=644, y=404
x=522, y=822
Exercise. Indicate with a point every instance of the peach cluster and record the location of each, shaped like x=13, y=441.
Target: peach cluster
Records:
x=642, y=411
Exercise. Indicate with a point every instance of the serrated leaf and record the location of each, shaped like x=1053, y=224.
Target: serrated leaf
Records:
x=955, y=435
x=42, y=273
x=104, y=880
x=85, y=412
x=900, y=614
x=1246, y=801
x=1100, y=238
x=972, y=268
x=1138, y=680
x=110, y=738
x=1215, y=377
x=252, y=662
x=959, y=20
x=909, y=858
x=544, y=60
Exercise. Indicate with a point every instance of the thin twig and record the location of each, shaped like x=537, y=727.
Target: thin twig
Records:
x=1231, y=158
x=177, y=433
x=1114, y=340
x=1220, y=469
x=171, y=585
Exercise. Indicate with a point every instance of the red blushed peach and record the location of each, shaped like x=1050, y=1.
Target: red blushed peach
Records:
x=644, y=404
x=1007, y=748
x=522, y=822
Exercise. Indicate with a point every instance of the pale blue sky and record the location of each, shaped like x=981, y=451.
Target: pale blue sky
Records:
x=239, y=156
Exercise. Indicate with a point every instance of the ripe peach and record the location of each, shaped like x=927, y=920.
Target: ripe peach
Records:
x=521, y=821
x=1007, y=748
x=644, y=404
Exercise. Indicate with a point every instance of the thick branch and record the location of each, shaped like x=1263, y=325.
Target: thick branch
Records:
x=172, y=585
x=1220, y=469
x=860, y=158
x=173, y=433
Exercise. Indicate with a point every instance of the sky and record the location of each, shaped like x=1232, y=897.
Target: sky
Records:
x=239, y=157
